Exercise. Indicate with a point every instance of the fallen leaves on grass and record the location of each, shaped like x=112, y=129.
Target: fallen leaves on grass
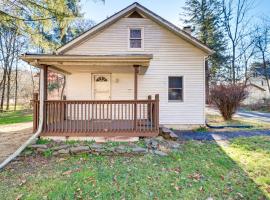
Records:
x=195, y=176
x=90, y=179
x=78, y=193
x=19, y=196
x=176, y=170
x=22, y=182
x=69, y=172
x=222, y=177
x=177, y=188
x=62, y=159
x=201, y=189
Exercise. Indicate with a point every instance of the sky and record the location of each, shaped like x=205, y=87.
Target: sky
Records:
x=169, y=9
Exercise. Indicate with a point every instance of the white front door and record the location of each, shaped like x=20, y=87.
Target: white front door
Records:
x=102, y=86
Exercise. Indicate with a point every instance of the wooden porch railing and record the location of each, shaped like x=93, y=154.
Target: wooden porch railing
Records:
x=100, y=118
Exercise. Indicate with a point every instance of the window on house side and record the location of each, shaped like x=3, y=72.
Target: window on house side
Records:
x=135, y=38
x=175, y=90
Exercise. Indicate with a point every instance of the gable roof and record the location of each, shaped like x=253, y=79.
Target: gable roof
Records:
x=139, y=8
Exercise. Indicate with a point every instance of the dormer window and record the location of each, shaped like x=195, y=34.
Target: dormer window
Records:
x=135, y=38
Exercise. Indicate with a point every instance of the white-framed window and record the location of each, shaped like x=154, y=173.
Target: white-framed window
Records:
x=175, y=88
x=135, y=38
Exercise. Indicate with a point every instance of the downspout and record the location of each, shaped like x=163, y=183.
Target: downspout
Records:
x=204, y=87
x=39, y=130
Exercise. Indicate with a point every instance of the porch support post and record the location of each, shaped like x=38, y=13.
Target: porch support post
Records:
x=45, y=95
x=136, y=71
x=35, y=105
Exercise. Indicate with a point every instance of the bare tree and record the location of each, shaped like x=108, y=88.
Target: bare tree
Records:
x=262, y=44
x=5, y=54
x=32, y=79
x=16, y=85
x=235, y=14
x=10, y=48
x=246, y=52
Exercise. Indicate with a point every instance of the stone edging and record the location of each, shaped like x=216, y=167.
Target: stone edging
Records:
x=157, y=146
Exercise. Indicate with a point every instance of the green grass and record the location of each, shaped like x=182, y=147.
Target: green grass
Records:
x=253, y=155
x=200, y=170
x=19, y=116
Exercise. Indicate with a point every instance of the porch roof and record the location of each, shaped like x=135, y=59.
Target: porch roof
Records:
x=68, y=63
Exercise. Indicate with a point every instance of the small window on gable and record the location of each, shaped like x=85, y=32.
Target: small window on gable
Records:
x=175, y=90
x=135, y=38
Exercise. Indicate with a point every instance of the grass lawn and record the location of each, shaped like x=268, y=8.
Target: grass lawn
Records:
x=217, y=120
x=200, y=170
x=18, y=116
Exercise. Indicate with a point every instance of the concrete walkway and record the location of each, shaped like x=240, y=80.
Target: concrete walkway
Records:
x=12, y=136
x=253, y=115
x=190, y=135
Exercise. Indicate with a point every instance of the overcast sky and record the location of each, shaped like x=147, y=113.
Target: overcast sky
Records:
x=168, y=9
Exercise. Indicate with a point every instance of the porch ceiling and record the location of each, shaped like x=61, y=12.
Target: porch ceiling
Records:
x=89, y=63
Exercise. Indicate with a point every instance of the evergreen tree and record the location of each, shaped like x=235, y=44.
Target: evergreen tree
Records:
x=204, y=17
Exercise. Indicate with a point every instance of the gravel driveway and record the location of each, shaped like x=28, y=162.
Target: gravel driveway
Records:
x=190, y=135
x=12, y=136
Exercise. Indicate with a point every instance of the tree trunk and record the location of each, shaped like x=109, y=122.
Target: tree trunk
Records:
x=32, y=80
x=265, y=72
x=3, y=90
x=246, y=72
x=16, y=86
x=233, y=66
x=8, y=87
x=63, y=88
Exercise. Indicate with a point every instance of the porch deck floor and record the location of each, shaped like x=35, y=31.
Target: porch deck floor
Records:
x=93, y=126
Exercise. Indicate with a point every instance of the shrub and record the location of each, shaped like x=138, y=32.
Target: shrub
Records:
x=227, y=98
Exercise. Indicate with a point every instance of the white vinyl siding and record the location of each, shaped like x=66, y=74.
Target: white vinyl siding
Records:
x=172, y=56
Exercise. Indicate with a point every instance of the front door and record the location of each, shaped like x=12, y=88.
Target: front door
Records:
x=102, y=86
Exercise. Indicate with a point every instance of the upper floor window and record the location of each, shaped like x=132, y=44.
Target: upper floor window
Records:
x=135, y=38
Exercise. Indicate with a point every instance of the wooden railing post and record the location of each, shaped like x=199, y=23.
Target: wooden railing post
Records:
x=149, y=105
x=35, y=111
x=157, y=112
x=64, y=108
x=45, y=95
x=135, y=115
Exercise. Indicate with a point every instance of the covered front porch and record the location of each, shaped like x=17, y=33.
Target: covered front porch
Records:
x=101, y=114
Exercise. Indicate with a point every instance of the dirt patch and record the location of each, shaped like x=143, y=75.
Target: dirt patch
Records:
x=12, y=136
